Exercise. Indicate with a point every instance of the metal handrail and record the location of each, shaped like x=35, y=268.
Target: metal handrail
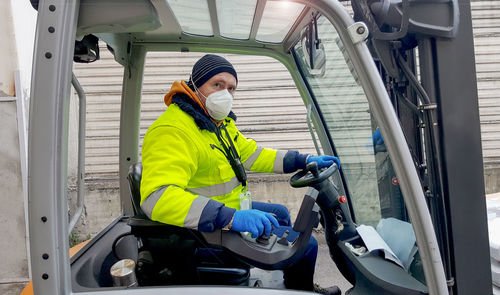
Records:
x=81, y=153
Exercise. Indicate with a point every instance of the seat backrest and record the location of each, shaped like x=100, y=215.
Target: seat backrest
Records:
x=134, y=180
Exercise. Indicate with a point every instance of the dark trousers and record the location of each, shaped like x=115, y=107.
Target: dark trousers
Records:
x=300, y=275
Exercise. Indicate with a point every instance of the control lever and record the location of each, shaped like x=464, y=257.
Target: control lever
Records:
x=283, y=241
x=272, y=255
x=263, y=239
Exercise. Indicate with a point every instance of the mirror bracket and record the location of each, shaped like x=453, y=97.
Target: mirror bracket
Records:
x=358, y=32
x=313, y=49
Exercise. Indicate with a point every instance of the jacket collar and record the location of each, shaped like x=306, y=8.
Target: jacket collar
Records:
x=184, y=97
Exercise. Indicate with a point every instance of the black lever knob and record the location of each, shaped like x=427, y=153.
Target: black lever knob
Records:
x=283, y=240
x=263, y=240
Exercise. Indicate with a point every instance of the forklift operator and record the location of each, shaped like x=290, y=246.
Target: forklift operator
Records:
x=194, y=161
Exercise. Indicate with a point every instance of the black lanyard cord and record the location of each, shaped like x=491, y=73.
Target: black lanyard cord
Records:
x=233, y=149
x=232, y=156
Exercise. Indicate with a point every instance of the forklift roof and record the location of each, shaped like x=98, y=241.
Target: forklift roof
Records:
x=248, y=21
x=252, y=22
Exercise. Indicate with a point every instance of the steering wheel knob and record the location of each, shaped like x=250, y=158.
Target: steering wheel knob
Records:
x=313, y=167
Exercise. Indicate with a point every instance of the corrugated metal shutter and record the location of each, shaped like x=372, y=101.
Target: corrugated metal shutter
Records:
x=486, y=27
x=267, y=103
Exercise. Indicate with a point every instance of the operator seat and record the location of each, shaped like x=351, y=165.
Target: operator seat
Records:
x=211, y=265
x=134, y=179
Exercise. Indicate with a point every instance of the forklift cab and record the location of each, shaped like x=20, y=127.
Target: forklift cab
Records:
x=350, y=114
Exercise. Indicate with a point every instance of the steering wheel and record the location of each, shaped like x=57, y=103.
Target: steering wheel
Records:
x=312, y=175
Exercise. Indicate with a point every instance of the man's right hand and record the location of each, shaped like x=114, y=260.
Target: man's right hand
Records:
x=254, y=221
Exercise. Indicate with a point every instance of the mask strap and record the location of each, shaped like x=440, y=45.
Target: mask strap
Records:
x=190, y=80
x=197, y=90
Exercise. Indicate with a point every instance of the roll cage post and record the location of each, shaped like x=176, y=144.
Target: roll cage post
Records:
x=48, y=145
x=130, y=117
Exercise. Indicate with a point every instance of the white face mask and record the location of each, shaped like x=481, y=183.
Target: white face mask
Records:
x=219, y=104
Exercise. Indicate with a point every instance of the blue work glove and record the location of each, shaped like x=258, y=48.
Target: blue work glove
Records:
x=254, y=221
x=377, y=137
x=324, y=161
x=378, y=141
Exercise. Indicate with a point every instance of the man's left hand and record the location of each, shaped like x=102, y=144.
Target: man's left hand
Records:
x=324, y=160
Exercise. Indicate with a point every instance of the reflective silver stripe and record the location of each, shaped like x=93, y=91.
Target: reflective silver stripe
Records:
x=194, y=214
x=278, y=162
x=253, y=157
x=148, y=205
x=216, y=189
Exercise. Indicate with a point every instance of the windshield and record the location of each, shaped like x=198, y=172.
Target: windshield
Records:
x=369, y=177
x=366, y=165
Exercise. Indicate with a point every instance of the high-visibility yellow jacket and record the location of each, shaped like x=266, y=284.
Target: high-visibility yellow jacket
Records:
x=187, y=180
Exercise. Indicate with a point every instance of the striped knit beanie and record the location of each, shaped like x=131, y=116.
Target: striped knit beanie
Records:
x=209, y=66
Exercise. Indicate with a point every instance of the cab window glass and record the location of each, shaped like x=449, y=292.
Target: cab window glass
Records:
x=370, y=179
x=344, y=106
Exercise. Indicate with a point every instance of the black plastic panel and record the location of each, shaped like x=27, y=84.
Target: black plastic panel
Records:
x=375, y=275
x=90, y=267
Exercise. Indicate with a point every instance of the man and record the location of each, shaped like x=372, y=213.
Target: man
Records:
x=194, y=161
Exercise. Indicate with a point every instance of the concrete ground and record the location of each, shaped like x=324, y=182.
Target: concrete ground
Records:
x=326, y=273
x=11, y=288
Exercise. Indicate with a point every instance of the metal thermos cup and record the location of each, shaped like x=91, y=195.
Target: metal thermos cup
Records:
x=123, y=273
